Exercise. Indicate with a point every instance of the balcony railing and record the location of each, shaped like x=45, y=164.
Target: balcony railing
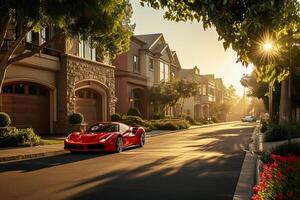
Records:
x=8, y=43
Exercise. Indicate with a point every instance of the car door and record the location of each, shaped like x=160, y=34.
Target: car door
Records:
x=127, y=135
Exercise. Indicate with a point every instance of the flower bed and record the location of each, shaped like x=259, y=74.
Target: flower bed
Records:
x=279, y=179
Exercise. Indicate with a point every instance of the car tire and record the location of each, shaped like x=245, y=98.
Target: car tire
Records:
x=142, y=140
x=119, y=145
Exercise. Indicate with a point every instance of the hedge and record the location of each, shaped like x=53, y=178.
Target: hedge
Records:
x=19, y=137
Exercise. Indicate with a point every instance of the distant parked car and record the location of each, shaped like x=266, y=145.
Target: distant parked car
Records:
x=106, y=136
x=249, y=119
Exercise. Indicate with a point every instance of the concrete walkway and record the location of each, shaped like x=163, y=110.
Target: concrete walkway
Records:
x=19, y=153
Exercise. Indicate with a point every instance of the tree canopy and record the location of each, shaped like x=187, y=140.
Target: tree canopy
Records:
x=243, y=25
x=105, y=23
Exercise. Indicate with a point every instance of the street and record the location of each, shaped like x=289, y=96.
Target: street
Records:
x=201, y=163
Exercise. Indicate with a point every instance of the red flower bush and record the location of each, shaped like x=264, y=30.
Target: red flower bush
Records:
x=279, y=180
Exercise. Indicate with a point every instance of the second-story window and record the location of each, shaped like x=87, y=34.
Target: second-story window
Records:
x=151, y=64
x=136, y=64
x=85, y=50
x=204, y=90
x=164, y=72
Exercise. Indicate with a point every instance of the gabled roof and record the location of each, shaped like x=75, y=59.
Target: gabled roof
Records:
x=159, y=48
x=149, y=39
x=175, y=60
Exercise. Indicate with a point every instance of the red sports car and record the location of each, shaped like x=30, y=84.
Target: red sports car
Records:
x=107, y=136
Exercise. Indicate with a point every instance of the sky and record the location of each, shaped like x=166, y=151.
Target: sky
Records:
x=194, y=46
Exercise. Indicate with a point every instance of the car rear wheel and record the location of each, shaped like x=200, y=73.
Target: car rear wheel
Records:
x=142, y=140
x=119, y=145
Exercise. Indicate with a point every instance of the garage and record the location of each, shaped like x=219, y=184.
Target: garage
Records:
x=28, y=105
x=89, y=103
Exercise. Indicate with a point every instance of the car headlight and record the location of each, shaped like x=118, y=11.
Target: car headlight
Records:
x=105, y=138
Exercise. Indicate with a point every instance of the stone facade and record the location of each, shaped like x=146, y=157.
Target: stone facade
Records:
x=74, y=70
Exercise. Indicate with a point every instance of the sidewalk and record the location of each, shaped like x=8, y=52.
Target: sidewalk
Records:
x=19, y=153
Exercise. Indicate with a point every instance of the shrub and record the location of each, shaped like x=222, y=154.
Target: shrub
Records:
x=264, y=127
x=214, y=120
x=169, y=126
x=275, y=133
x=5, y=120
x=19, y=137
x=133, y=112
x=115, y=117
x=282, y=150
x=76, y=118
x=191, y=120
x=183, y=124
x=132, y=120
x=157, y=116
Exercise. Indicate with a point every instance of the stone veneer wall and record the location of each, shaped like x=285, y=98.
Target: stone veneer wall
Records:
x=73, y=70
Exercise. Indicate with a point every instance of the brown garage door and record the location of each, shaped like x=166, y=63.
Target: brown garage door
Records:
x=28, y=105
x=88, y=102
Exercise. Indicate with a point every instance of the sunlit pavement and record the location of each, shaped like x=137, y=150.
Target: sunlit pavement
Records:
x=195, y=164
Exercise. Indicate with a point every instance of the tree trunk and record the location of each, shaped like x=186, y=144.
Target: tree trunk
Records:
x=284, y=109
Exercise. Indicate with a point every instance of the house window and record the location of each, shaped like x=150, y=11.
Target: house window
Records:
x=19, y=89
x=29, y=37
x=164, y=72
x=32, y=90
x=136, y=66
x=85, y=50
x=151, y=64
x=7, y=89
x=204, y=90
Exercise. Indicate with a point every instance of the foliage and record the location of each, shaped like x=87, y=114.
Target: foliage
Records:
x=280, y=132
x=264, y=127
x=133, y=112
x=279, y=179
x=190, y=120
x=105, y=24
x=215, y=120
x=169, y=124
x=240, y=24
x=134, y=120
x=282, y=150
x=115, y=117
x=19, y=137
x=171, y=93
x=5, y=120
x=76, y=118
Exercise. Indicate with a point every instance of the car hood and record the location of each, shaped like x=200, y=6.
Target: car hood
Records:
x=87, y=137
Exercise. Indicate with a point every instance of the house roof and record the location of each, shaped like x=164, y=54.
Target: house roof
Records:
x=149, y=39
x=159, y=48
x=175, y=59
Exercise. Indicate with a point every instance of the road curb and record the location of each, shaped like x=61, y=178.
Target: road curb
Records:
x=33, y=155
x=58, y=152
x=248, y=175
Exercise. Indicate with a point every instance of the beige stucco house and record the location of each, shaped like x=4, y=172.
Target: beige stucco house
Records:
x=210, y=92
x=43, y=90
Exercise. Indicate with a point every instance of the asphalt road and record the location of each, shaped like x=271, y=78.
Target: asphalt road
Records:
x=199, y=164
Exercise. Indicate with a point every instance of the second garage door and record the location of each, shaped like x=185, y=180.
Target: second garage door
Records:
x=88, y=102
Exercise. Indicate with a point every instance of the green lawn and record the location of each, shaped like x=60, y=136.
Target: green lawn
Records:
x=49, y=141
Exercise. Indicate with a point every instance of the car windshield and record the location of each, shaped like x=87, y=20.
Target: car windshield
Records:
x=104, y=128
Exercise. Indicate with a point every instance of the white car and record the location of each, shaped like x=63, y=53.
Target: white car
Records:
x=249, y=119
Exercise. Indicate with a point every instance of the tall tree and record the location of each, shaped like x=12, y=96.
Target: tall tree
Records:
x=105, y=23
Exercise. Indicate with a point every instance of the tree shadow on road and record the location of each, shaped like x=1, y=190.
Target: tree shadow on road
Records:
x=165, y=178
x=46, y=162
